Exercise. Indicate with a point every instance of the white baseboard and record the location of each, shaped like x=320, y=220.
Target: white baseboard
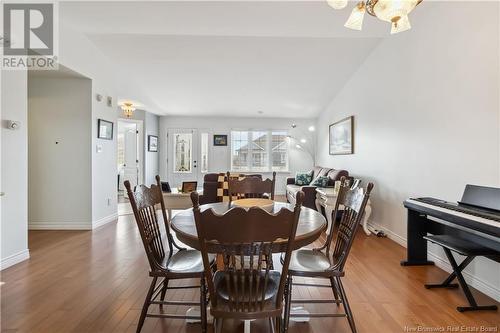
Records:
x=71, y=225
x=104, y=220
x=59, y=226
x=391, y=235
x=14, y=259
x=474, y=281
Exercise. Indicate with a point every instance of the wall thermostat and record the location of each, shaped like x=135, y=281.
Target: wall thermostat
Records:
x=13, y=125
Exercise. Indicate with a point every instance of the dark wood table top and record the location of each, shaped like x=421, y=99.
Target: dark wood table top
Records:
x=311, y=224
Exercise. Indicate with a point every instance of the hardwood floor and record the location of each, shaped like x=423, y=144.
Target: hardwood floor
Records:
x=95, y=281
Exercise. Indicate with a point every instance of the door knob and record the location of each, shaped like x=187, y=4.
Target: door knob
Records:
x=2, y=194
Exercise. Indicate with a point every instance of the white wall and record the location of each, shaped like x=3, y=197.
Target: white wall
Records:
x=219, y=157
x=151, y=159
x=426, y=107
x=14, y=169
x=60, y=184
x=80, y=55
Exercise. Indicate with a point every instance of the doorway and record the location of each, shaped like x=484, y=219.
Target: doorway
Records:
x=129, y=158
x=187, y=155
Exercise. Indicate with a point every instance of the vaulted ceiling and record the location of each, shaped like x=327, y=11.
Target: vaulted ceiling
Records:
x=285, y=58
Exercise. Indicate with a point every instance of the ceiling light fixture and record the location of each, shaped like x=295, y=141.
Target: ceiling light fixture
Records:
x=337, y=4
x=393, y=11
x=128, y=109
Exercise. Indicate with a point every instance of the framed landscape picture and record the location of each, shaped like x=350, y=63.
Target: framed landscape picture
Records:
x=341, y=137
x=220, y=140
x=152, y=143
x=104, y=129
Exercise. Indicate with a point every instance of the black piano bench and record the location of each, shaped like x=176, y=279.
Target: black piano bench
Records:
x=465, y=248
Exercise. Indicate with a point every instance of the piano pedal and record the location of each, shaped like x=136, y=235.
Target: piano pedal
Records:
x=440, y=285
x=476, y=308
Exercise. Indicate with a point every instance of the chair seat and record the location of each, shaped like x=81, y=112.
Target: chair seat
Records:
x=186, y=261
x=247, y=287
x=309, y=262
x=461, y=246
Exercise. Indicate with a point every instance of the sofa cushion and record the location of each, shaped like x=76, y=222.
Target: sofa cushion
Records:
x=321, y=181
x=320, y=171
x=293, y=189
x=291, y=192
x=303, y=178
x=336, y=175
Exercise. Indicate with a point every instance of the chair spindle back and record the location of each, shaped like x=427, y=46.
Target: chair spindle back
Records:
x=245, y=238
x=251, y=187
x=144, y=201
x=353, y=202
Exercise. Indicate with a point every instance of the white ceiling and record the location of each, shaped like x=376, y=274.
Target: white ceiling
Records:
x=287, y=59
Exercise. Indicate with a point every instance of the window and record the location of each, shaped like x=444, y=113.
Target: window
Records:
x=239, y=151
x=279, y=151
x=183, y=145
x=204, y=153
x=259, y=151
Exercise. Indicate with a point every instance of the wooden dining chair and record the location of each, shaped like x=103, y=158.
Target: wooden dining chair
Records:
x=245, y=289
x=251, y=187
x=169, y=265
x=326, y=264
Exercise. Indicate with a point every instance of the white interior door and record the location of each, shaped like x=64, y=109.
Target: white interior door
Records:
x=131, y=159
x=182, y=160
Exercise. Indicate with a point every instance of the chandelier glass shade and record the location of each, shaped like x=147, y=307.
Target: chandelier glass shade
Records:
x=337, y=4
x=128, y=109
x=393, y=11
x=355, y=21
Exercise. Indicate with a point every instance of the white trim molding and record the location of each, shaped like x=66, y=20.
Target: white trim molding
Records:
x=71, y=225
x=59, y=226
x=479, y=284
x=105, y=220
x=14, y=259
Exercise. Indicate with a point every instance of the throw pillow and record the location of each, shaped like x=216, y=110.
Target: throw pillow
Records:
x=303, y=178
x=320, y=181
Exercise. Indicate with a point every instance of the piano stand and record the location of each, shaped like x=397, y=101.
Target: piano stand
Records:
x=416, y=263
x=449, y=243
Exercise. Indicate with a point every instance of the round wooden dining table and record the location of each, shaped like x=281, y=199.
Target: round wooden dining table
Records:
x=311, y=223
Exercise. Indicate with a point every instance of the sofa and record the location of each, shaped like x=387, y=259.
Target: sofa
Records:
x=310, y=191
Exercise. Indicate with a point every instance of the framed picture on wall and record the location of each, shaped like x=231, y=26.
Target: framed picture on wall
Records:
x=104, y=129
x=220, y=140
x=152, y=143
x=341, y=137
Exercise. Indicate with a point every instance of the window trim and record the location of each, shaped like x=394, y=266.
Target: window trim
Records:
x=269, y=167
